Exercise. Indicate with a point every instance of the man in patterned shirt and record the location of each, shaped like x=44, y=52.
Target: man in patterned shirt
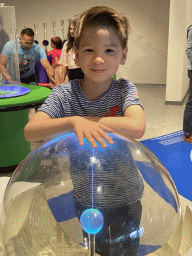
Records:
x=28, y=54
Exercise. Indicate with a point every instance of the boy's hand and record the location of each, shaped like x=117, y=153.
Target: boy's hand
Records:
x=92, y=131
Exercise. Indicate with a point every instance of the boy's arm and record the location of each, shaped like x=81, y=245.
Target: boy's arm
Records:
x=132, y=124
x=41, y=126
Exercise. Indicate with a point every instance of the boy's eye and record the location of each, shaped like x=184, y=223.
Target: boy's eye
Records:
x=109, y=50
x=88, y=50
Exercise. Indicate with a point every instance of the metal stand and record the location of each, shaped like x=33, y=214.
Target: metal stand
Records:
x=62, y=28
x=45, y=42
x=54, y=31
x=91, y=245
x=36, y=27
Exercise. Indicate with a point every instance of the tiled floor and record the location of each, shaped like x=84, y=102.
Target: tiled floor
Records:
x=161, y=119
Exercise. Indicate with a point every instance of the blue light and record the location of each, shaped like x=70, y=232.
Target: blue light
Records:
x=91, y=221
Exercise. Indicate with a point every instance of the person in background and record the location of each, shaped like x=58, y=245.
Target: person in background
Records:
x=187, y=120
x=67, y=58
x=57, y=45
x=28, y=53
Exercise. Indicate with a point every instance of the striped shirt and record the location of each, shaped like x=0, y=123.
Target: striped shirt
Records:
x=68, y=100
x=117, y=172
x=117, y=181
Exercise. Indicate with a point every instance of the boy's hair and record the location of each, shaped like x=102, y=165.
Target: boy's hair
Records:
x=57, y=42
x=103, y=16
x=27, y=31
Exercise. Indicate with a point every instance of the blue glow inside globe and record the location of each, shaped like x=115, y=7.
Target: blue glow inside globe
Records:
x=91, y=221
x=64, y=193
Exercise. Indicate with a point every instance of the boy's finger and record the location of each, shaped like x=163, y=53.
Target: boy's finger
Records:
x=99, y=139
x=90, y=139
x=80, y=138
x=106, y=137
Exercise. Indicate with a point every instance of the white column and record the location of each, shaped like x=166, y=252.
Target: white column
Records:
x=177, y=81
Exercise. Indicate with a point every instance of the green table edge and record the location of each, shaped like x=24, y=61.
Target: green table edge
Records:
x=13, y=146
x=36, y=95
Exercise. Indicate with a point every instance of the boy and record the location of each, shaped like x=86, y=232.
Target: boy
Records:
x=96, y=104
x=91, y=107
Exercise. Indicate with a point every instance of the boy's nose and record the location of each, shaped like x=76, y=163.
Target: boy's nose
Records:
x=98, y=60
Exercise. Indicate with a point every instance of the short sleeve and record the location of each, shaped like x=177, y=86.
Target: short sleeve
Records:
x=129, y=95
x=42, y=54
x=53, y=105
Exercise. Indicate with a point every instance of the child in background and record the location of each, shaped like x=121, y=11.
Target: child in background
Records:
x=57, y=45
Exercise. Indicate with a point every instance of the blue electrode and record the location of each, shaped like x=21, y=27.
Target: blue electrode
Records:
x=91, y=221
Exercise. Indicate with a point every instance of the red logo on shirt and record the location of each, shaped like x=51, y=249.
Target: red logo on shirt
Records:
x=113, y=111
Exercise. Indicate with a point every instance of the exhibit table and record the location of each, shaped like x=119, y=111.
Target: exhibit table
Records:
x=13, y=118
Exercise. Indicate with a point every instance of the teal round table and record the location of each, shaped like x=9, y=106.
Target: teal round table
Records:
x=13, y=118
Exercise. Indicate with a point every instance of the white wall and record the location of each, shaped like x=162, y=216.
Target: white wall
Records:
x=148, y=41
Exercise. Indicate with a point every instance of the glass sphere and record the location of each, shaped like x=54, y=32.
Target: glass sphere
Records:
x=67, y=199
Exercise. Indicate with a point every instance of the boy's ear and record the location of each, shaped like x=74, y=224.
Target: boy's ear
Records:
x=124, y=56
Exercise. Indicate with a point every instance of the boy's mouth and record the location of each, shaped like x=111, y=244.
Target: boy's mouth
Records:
x=97, y=70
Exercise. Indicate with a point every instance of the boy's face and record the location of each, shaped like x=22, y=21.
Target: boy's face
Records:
x=100, y=53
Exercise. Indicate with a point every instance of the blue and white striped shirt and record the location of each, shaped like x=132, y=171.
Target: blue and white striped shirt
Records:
x=68, y=100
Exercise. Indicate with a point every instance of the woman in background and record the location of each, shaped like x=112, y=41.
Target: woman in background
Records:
x=67, y=58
